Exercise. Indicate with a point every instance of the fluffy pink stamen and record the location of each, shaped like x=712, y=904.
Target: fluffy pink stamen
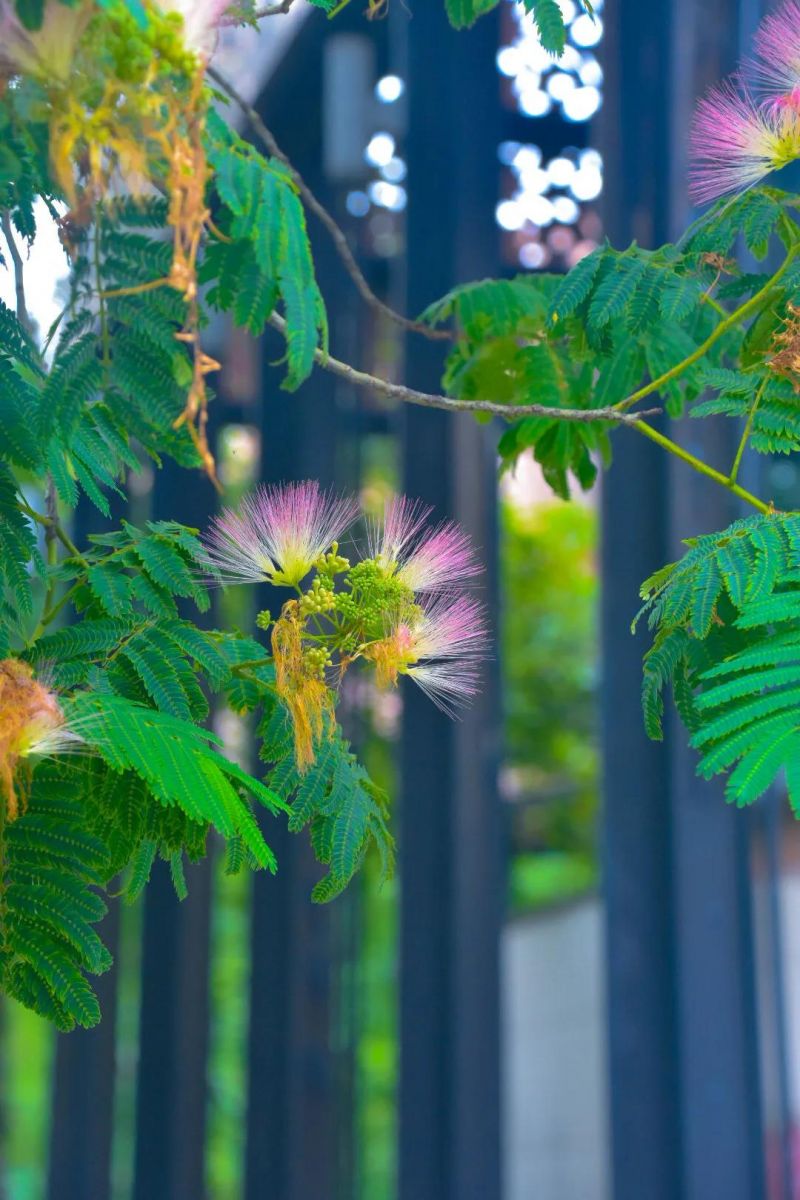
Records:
x=424, y=561
x=279, y=533
x=777, y=48
x=403, y=519
x=733, y=142
x=446, y=647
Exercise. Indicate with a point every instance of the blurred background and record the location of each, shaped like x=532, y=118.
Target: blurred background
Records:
x=584, y=982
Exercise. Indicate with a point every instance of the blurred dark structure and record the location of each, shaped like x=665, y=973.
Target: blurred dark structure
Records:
x=684, y=1046
x=299, y=1115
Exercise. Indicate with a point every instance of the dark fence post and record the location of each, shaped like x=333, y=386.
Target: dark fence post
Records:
x=81, y=1133
x=452, y=881
x=682, y=1020
x=292, y=1118
x=636, y=801
x=83, y=1094
x=171, y=1094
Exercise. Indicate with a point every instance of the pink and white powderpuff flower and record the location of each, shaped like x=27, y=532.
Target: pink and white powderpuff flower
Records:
x=278, y=534
x=32, y=725
x=777, y=50
x=426, y=560
x=442, y=651
x=201, y=22
x=47, y=52
x=736, y=141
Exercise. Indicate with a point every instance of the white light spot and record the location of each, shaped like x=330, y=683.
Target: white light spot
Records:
x=590, y=72
x=537, y=209
x=560, y=85
x=565, y=210
x=581, y=104
x=527, y=158
x=509, y=215
x=380, y=150
x=388, y=195
x=587, y=184
x=509, y=61
x=389, y=89
x=585, y=31
x=571, y=59
x=535, y=104
x=561, y=171
x=591, y=158
x=533, y=179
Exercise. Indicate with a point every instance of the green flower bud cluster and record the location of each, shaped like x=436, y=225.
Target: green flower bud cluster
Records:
x=333, y=563
x=132, y=47
x=316, y=660
x=264, y=619
x=318, y=599
x=368, y=604
x=377, y=599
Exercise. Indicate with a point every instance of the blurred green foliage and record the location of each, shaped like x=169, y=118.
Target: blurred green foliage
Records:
x=549, y=657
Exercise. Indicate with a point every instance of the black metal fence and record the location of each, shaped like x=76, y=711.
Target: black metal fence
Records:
x=685, y=1048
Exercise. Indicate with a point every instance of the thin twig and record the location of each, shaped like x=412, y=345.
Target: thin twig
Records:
x=23, y=316
x=509, y=412
x=314, y=205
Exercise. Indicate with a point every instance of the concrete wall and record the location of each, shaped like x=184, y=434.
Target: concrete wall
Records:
x=554, y=1088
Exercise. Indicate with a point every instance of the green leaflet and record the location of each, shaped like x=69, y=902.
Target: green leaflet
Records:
x=733, y=652
x=17, y=546
x=463, y=13
x=268, y=257
x=546, y=14
x=775, y=428
x=177, y=762
x=50, y=865
x=345, y=810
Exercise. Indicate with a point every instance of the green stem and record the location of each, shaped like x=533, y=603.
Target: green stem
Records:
x=51, y=613
x=747, y=430
x=715, y=304
x=744, y=310
x=251, y=663
x=104, y=336
x=703, y=468
x=55, y=525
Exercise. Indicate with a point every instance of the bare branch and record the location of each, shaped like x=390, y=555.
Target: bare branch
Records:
x=23, y=316
x=319, y=210
x=508, y=412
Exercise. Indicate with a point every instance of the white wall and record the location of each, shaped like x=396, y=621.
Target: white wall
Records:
x=554, y=1086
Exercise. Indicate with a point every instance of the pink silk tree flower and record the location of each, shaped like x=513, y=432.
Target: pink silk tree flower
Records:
x=441, y=652
x=777, y=49
x=424, y=560
x=201, y=22
x=32, y=725
x=278, y=535
x=735, y=142
x=47, y=52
